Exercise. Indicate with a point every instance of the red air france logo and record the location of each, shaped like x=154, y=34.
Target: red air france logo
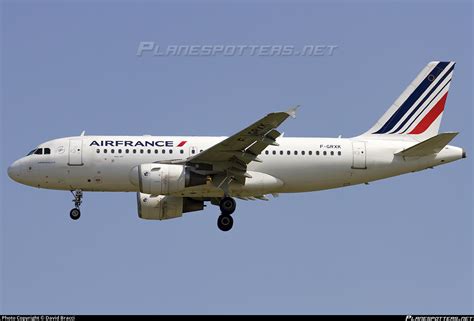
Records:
x=182, y=143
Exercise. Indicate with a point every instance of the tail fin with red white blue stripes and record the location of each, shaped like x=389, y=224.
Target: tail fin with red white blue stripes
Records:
x=418, y=111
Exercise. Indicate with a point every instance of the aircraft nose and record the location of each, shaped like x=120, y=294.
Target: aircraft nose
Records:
x=14, y=171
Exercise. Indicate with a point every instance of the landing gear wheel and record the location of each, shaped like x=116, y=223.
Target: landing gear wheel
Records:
x=75, y=213
x=227, y=205
x=225, y=222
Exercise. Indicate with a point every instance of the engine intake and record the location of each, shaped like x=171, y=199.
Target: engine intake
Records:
x=161, y=207
x=164, y=179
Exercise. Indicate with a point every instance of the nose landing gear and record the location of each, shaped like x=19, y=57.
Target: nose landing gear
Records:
x=75, y=213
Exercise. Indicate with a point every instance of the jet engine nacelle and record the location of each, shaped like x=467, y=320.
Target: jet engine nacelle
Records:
x=164, y=179
x=161, y=207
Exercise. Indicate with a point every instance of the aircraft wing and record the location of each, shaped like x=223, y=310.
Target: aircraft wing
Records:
x=232, y=155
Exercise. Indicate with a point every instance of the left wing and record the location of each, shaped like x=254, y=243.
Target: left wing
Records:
x=232, y=155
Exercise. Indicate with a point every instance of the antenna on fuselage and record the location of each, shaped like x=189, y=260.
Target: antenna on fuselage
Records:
x=83, y=133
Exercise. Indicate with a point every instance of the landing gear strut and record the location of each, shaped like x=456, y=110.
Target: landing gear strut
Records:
x=227, y=206
x=75, y=213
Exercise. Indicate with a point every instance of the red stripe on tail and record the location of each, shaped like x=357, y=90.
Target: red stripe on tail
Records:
x=430, y=117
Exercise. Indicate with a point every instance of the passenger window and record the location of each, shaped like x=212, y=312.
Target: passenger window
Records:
x=120, y=151
x=112, y=151
x=149, y=151
x=324, y=153
x=39, y=151
x=171, y=151
x=281, y=152
x=302, y=152
x=181, y=151
x=47, y=151
x=98, y=151
x=163, y=151
x=317, y=152
x=310, y=152
x=193, y=151
x=156, y=151
x=141, y=151
x=134, y=151
x=296, y=152
x=274, y=152
x=288, y=152
x=332, y=153
x=339, y=153
x=126, y=151
x=105, y=151
x=266, y=152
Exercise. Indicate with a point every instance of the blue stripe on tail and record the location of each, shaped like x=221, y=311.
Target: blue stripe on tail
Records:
x=415, y=95
x=422, y=101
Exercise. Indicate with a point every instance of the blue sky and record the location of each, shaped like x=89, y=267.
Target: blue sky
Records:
x=402, y=245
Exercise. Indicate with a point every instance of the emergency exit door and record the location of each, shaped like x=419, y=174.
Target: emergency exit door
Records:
x=75, y=152
x=359, y=156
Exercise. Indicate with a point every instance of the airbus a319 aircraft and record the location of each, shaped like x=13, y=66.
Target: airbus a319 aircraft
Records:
x=176, y=175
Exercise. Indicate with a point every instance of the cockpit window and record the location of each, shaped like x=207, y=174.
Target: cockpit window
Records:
x=40, y=151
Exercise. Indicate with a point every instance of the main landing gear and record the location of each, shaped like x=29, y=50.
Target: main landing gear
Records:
x=75, y=213
x=225, y=221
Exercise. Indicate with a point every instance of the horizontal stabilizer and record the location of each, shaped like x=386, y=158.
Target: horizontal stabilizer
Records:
x=430, y=146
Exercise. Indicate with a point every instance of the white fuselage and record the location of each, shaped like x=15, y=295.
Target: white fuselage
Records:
x=106, y=163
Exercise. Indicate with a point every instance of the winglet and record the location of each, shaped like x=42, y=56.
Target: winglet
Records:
x=292, y=111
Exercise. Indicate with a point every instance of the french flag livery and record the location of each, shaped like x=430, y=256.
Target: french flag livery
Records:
x=419, y=108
